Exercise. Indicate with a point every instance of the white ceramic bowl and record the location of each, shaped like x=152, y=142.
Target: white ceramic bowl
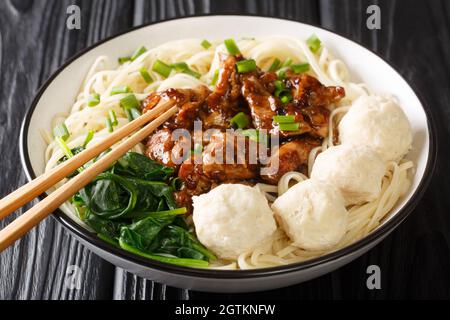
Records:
x=60, y=91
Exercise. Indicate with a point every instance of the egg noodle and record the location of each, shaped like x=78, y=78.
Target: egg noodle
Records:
x=104, y=74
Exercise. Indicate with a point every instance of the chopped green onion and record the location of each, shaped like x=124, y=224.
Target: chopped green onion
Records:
x=61, y=131
x=180, y=66
x=246, y=65
x=122, y=60
x=109, y=125
x=129, y=102
x=286, y=98
x=279, y=85
x=162, y=68
x=192, y=73
x=275, y=65
x=284, y=119
x=88, y=138
x=287, y=63
x=138, y=52
x=215, y=77
x=183, y=67
x=299, y=68
x=144, y=73
x=232, y=47
x=129, y=115
x=281, y=74
x=206, y=44
x=119, y=90
x=240, y=120
x=289, y=126
x=113, y=118
x=64, y=148
x=93, y=100
x=255, y=135
x=313, y=43
x=135, y=113
x=280, y=88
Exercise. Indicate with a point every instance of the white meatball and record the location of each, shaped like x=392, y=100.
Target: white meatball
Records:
x=313, y=214
x=379, y=123
x=232, y=219
x=356, y=170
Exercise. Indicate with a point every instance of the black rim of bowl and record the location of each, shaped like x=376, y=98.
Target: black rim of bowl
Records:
x=91, y=238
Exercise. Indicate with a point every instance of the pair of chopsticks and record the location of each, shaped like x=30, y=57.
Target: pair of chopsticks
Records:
x=16, y=229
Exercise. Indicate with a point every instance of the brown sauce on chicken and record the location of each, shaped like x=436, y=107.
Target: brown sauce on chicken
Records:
x=253, y=93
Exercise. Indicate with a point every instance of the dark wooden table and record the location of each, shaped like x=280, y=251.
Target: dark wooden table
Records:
x=414, y=37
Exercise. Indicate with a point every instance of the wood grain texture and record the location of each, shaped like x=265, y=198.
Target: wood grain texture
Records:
x=415, y=37
x=34, y=41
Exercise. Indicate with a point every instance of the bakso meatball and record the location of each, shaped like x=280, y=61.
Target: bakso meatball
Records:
x=313, y=214
x=232, y=219
x=356, y=170
x=379, y=123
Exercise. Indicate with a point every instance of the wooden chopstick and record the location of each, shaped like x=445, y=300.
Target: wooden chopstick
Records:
x=33, y=216
x=33, y=189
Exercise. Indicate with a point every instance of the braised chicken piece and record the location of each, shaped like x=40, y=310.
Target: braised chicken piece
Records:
x=263, y=105
x=291, y=156
x=235, y=157
x=312, y=101
x=223, y=102
x=166, y=149
x=190, y=102
x=228, y=157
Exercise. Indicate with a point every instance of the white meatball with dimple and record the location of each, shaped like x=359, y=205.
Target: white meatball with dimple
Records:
x=379, y=123
x=232, y=219
x=356, y=170
x=313, y=214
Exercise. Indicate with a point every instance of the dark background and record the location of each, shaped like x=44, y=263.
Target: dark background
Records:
x=414, y=37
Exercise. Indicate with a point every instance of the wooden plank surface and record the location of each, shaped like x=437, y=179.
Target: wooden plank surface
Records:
x=414, y=36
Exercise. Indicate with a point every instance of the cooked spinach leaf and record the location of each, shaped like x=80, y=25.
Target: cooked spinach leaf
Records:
x=131, y=205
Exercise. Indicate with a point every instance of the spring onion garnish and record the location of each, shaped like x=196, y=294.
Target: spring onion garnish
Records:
x=206, y=44
x=246, y=65
x=284, y=119
x=109, y=125
x=215, y=77
x=64, y=148
x=113, y=118
x=286, y=98
x=138, y=52
x=280, y=88
x=145, y=75
x=122, y=60
x=88, y=138
x=129, y=102
x=132, y=113
x=119, y=90
x=129, y=114
x=281, y=74
x=289, y=126
x=93, y=100
x=162, y=68
x=300, y=68
x=275, y=65
x=135, y=113
x=232, y=47
x=183, y=67
x=61, y=131
x=255, y=135
x=240, y=120
x=287, y=63
x=313, y=43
